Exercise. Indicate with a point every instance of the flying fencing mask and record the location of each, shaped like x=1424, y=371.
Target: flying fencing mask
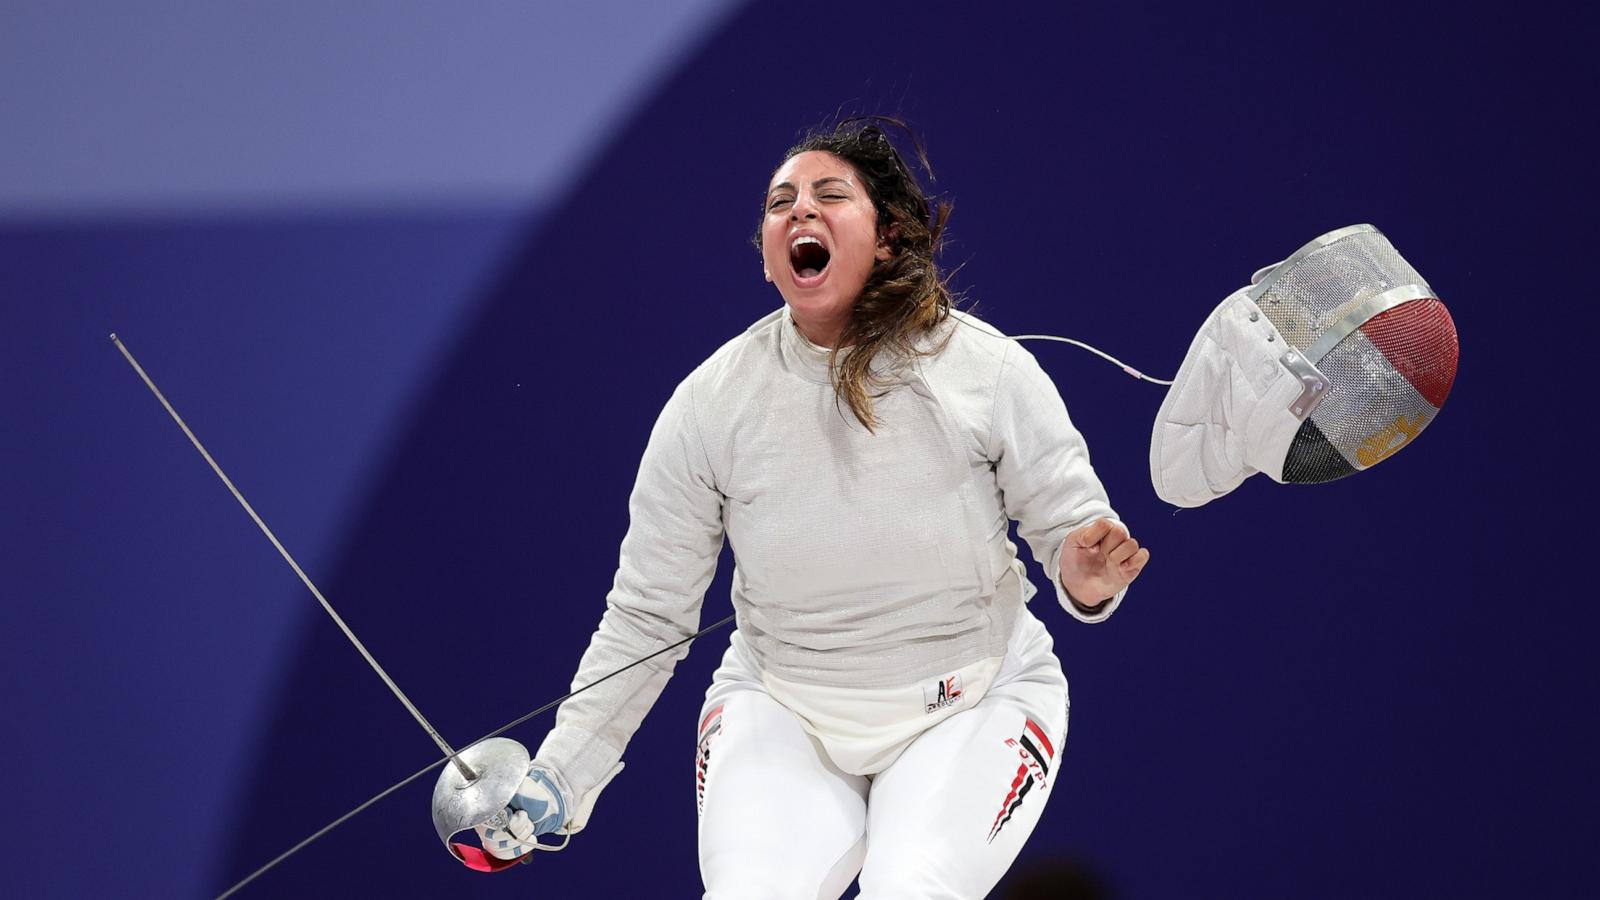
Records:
x=1326, y=364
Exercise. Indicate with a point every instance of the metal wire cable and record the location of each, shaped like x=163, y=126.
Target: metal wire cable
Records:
x=1096, y=351
x=439, y=762
x=1065, y=340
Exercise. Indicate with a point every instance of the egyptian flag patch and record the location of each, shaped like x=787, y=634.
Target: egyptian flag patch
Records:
x=1035, y=753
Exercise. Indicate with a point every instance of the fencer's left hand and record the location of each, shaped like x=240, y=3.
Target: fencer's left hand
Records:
x=1098, y=560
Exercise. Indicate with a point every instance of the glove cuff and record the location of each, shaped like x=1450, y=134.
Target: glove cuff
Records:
x=577, y=809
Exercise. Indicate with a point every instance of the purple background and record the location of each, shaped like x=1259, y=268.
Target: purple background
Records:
x=425, y=321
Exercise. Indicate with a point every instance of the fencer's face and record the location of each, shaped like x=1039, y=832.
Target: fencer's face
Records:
x=819, y=238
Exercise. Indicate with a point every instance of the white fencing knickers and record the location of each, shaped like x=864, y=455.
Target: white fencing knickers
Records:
x=779, y=819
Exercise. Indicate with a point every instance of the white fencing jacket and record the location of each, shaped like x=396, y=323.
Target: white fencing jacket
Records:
x=861, y=560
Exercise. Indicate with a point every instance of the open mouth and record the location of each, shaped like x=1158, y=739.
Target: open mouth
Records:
x=808, y=257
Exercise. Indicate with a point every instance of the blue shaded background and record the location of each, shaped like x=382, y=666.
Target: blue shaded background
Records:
x=435, y=386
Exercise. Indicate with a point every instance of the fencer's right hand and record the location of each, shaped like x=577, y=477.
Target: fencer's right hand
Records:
x=538, y=808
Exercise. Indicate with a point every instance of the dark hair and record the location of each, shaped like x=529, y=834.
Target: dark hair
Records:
x=904, y=298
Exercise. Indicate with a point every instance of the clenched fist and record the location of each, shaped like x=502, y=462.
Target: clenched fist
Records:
x=1098, y=560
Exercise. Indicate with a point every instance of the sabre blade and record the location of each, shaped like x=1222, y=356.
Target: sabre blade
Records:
x=466, y=772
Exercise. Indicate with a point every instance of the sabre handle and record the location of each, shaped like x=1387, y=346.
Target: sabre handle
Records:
x=538, y=807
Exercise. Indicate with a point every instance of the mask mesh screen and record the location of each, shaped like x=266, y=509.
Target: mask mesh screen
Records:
x=1387, y=379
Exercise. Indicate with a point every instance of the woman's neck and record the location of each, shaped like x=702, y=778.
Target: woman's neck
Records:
x=823, y=334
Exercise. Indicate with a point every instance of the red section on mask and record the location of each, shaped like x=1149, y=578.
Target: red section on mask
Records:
x=1419, y=340
x=477, y=860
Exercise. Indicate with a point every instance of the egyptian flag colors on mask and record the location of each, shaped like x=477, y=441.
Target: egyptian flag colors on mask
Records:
x=1326, y=364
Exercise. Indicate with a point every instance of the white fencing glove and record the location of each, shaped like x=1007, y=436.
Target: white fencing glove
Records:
x=542, y=805
x=539, y=807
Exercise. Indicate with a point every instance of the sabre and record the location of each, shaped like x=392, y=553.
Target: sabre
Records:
x=465, y=770
x=439, y=762
x=474, y=797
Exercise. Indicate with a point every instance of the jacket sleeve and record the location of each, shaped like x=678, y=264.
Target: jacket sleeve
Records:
x=667, y=559
x=1042, y=466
